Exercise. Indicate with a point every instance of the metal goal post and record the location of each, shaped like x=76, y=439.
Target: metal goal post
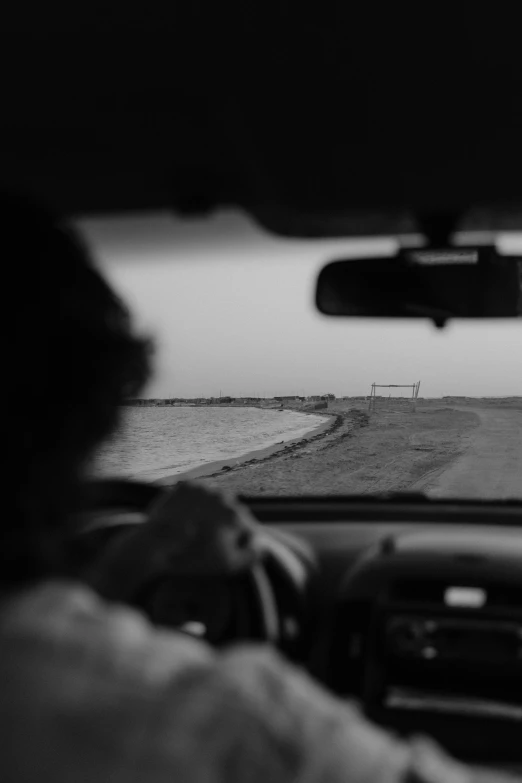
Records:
x=389, y=402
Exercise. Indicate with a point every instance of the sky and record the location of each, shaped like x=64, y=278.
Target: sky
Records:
x=231, y=312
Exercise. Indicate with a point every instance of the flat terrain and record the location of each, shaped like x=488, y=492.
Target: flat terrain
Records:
x=455, y=448
x=384, y=452
x=491, y=464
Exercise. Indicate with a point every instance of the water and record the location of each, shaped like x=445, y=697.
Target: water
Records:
x=154, y=443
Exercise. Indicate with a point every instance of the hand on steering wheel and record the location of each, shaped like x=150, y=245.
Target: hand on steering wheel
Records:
x=190, y=530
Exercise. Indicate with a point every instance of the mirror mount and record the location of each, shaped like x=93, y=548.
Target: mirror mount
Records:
x=438, y=227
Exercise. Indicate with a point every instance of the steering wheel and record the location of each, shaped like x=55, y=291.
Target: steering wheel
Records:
x=220, y=607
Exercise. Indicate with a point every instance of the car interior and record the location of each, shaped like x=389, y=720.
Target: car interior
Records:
x=318, y=124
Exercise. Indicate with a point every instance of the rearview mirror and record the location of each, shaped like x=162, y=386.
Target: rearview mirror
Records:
x=439, y=284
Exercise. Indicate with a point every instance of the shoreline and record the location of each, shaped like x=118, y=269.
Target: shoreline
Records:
x=365, y=455
x=256, y=456
x=447, y=449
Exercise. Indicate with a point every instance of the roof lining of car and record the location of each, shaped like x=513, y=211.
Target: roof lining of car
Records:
x=297, y=116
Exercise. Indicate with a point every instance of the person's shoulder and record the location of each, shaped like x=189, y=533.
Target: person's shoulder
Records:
x=81, y=679
x=68, y=624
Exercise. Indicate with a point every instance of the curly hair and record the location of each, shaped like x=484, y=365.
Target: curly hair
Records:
x=70, y=359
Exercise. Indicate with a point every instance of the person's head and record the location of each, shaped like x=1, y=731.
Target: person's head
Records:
x=70, y=359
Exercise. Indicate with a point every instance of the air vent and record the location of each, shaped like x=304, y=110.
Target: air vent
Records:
x=434, y=592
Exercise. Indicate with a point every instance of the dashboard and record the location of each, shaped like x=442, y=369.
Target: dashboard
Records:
x=414, y=610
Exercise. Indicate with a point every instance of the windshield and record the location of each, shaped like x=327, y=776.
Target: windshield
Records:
x=254, y=391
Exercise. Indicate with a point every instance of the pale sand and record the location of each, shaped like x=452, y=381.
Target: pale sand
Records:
x=364, y=455
x=491, y=465
x=466, y=448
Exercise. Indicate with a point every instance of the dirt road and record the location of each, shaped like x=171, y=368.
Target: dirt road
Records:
x=491, y=465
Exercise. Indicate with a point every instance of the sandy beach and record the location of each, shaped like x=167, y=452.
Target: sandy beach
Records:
x=329, y=424
x=365, y=454
x=456, y=447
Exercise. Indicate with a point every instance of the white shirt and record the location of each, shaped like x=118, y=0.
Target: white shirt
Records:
x=92, y=693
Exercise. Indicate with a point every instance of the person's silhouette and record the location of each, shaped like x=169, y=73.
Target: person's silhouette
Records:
x=89, y=691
